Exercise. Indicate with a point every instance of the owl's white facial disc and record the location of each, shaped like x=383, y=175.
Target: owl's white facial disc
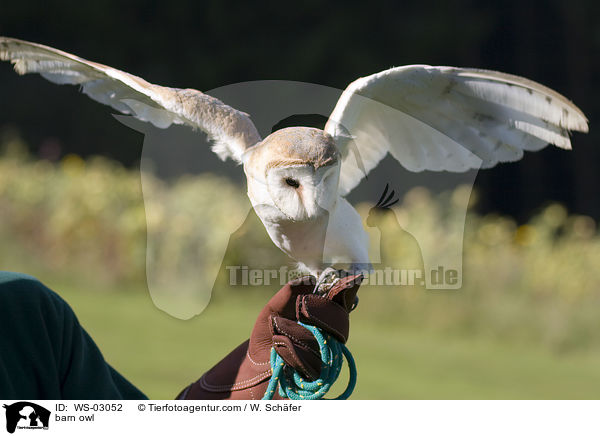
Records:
x=303, y=192
x=293, y=174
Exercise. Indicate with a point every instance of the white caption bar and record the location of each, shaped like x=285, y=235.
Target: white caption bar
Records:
x=286, y=417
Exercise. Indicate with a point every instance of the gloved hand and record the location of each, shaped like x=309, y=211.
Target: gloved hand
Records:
x=244, y=373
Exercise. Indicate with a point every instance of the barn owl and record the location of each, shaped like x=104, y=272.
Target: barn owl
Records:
x=426, y=117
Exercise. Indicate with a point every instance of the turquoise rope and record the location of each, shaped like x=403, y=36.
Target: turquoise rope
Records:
x=293, y=386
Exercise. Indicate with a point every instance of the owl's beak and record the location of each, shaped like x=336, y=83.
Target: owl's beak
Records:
x=318, y=194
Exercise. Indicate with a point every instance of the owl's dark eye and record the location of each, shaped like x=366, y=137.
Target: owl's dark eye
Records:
x=292, y=182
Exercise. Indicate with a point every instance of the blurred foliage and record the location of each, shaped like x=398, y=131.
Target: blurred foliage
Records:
x=80, y=220
x=535, y=283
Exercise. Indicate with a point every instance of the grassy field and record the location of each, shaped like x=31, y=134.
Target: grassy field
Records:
x=161, y=354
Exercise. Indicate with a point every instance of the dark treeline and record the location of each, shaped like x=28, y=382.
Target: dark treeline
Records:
x=206, y=44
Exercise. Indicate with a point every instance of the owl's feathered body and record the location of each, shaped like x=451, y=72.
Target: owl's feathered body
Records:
x=292, y=180
x=427, y=118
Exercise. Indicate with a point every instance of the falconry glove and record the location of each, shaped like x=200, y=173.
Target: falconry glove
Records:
x=244, y=374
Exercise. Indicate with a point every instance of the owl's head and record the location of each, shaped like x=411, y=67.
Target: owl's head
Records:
x=296, y=170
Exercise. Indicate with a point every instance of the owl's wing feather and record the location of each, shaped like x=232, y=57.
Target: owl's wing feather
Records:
x=446, y=118
x=231, y=131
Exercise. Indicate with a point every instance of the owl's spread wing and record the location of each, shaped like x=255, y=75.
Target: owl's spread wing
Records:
x=446, y=118
x=231, y=131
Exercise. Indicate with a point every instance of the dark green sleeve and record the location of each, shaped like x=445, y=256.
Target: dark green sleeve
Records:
x=44, y=351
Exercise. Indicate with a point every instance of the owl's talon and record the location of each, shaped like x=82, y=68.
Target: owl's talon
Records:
x=329, y=277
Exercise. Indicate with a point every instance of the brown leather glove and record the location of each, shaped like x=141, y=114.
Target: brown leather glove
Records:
x=244, y=374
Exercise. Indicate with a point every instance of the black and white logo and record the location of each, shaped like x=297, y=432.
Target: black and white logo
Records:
x=26, y=415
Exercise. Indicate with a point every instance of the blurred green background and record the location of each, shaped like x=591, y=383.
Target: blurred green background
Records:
x=526, y=323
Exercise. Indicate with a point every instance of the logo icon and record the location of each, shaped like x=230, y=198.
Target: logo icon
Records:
x=26, y=415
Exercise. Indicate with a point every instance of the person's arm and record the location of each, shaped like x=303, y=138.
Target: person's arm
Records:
x=44, y=351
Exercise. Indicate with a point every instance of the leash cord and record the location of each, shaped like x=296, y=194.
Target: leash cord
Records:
x=293, y=386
